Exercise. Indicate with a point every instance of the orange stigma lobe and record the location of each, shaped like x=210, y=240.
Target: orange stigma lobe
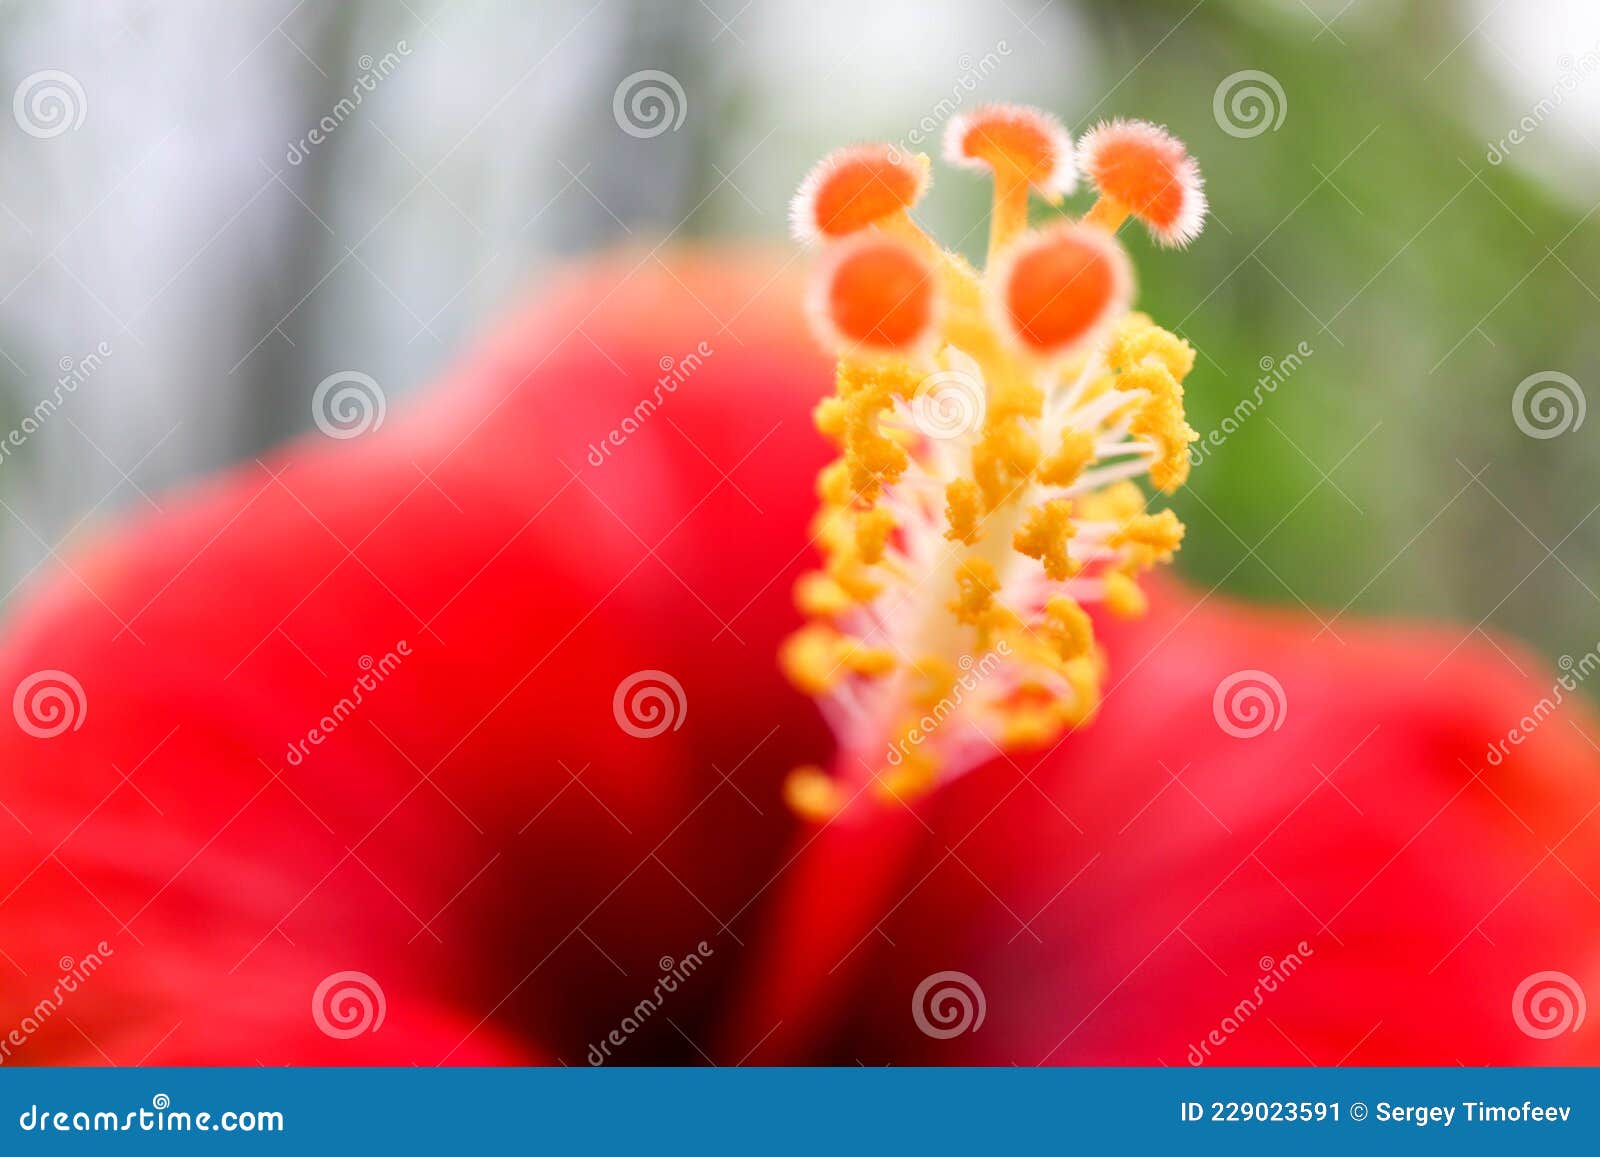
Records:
x=877, y=292
x=1141, y=170
x=1017, y=143
x=1024, y=148
x=1060, y=287
x=854, y=188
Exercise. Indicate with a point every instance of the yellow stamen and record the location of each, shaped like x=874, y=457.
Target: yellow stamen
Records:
x=818, y=595
x=1063, y=467
x=873, y=528
x=1044, y=536
x=812, y=794
x=1158, y=535
x=809, y=658
x=1072, y=632
x=855, y=577
x=976, y=584
x=962, y=510
x=1123, y=596
x=952, y=610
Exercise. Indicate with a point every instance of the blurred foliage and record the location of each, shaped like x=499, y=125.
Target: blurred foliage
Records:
x=1427, y=283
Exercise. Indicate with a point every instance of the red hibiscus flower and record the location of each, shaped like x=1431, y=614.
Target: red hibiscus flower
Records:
x=461, y=740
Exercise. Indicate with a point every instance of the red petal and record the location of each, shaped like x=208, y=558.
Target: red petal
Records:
x=480, y=835
x=1112, y=915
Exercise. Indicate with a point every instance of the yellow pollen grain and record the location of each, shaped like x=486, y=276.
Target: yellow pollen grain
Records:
x=873, y=458
x=818, y=595
x=963, y=510
x=833, y=483
x=829, y=416
x=812, y=794
x=1012, y=395
x=873, y=528
x=1123, y=597
x=816, y=658
x=1044, y=535
x=1031, y=726
x=1116, y=503
x=1160, y=418
x=1071, y=459
x=1138, y=338
x=1005, y=458
x=1084, y=675
x=999, y=619
x=1158, y=534
x=875, y=662
x=831, y=528
x=1020, y=447
x=809, y=659
x=1071, y=630
x=854, y=577
x=976, y=584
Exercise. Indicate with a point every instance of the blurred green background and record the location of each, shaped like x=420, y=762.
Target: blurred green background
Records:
x=1368, y=223
x=1387, y=471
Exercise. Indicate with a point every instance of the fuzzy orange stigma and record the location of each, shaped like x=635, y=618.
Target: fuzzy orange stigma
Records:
x=874, y=294
x=993, y=430
x=1057, y=289
x=853, y=188
x=1141, y=170
x=1023, y=148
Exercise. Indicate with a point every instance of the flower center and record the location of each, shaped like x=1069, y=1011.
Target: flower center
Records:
x=992, y=429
